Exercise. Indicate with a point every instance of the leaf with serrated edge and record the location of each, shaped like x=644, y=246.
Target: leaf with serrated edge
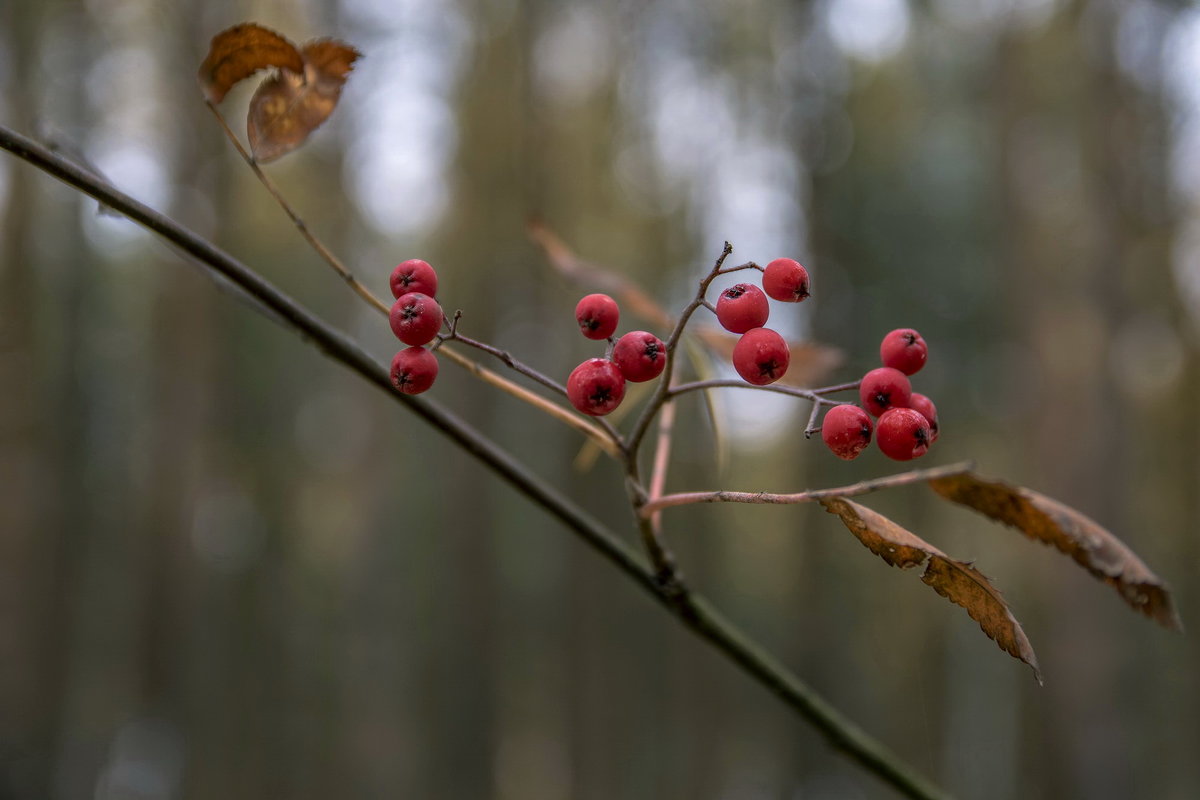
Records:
x=1067, y=530
x=957, y=581
x=291, y=105
x=239, y=52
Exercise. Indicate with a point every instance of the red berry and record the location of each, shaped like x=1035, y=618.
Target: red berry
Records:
x=784, y=279
x=597, y=315
x=921, y=403
x=761, y=356
x=414, y=370
x=741, y=307
x=903, y=434
x=640, y=356
x=884, y=388
x=416, y=318
x=414, y=275
x=846, y=430
x=905, y=350
x=596, y=387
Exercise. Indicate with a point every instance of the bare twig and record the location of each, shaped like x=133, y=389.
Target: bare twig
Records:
x=341, y=269
x=662, y=458
x=664, y=385
x=812, y=426
x=692, y=611
x=615, y=442
x=815, y=395
x=508, y=359
x=770, y=498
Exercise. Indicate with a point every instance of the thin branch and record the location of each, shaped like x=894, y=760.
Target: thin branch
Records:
x=615, y=443
x=606, y=440
x=812, y=426
x=739, y=268
x=815, y=395
x=662, y=459
x=508, y=359
x=341, y=269
x=609, y=440
x=770, y=498
x=664, y=385
x=692, y=611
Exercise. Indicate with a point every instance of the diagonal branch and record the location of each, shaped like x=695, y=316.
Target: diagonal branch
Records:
x=701, y=618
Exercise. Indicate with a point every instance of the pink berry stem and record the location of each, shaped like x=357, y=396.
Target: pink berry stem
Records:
x=662, y=459
x=770, y=498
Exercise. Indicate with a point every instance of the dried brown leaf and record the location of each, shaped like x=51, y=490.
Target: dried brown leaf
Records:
x=1067, y=530
x=957, y=581
x=292, y=104
x=239, y=52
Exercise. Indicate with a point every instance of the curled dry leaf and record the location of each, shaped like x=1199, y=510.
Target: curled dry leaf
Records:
x=957, y=581
x=291, y=105
x=239, y=52
x=1067, y=530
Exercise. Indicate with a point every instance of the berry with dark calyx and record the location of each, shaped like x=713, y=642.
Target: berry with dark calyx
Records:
x=414, y=275
x=761, y=356
x=903, y=434
x=884, y=388
x=784, y=279
x=846, y=431
x=597, y=315
x=416, y=318
x=596, y=387
x=414, y=370
x=742, y=307
x=921, y=403
x=904, y=349
x=640, y=356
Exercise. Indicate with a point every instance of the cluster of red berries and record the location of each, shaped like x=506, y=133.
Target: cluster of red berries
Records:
x=416, y=319
x=597, y=386
x=761, y=356
x=907, y=423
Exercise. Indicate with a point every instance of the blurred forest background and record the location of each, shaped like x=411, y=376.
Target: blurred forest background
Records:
x=228, y=568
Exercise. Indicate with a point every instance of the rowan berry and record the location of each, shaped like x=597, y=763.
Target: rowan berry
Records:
x=904, y=349
x=414, y=275
x=416, y=318
x=761, y=356
x=884, y=388
x=414, y=370
x=742, y=307
x=596, y=387
x=597, y=315
x=640, y=356
x=784, y=279
x=921, y=403
x=846, y=430
x=903, y=434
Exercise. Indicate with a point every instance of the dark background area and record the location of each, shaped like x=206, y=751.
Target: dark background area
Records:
x=228, y=568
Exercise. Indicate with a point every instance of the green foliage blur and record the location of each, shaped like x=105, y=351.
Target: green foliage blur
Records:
x=228, y=568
